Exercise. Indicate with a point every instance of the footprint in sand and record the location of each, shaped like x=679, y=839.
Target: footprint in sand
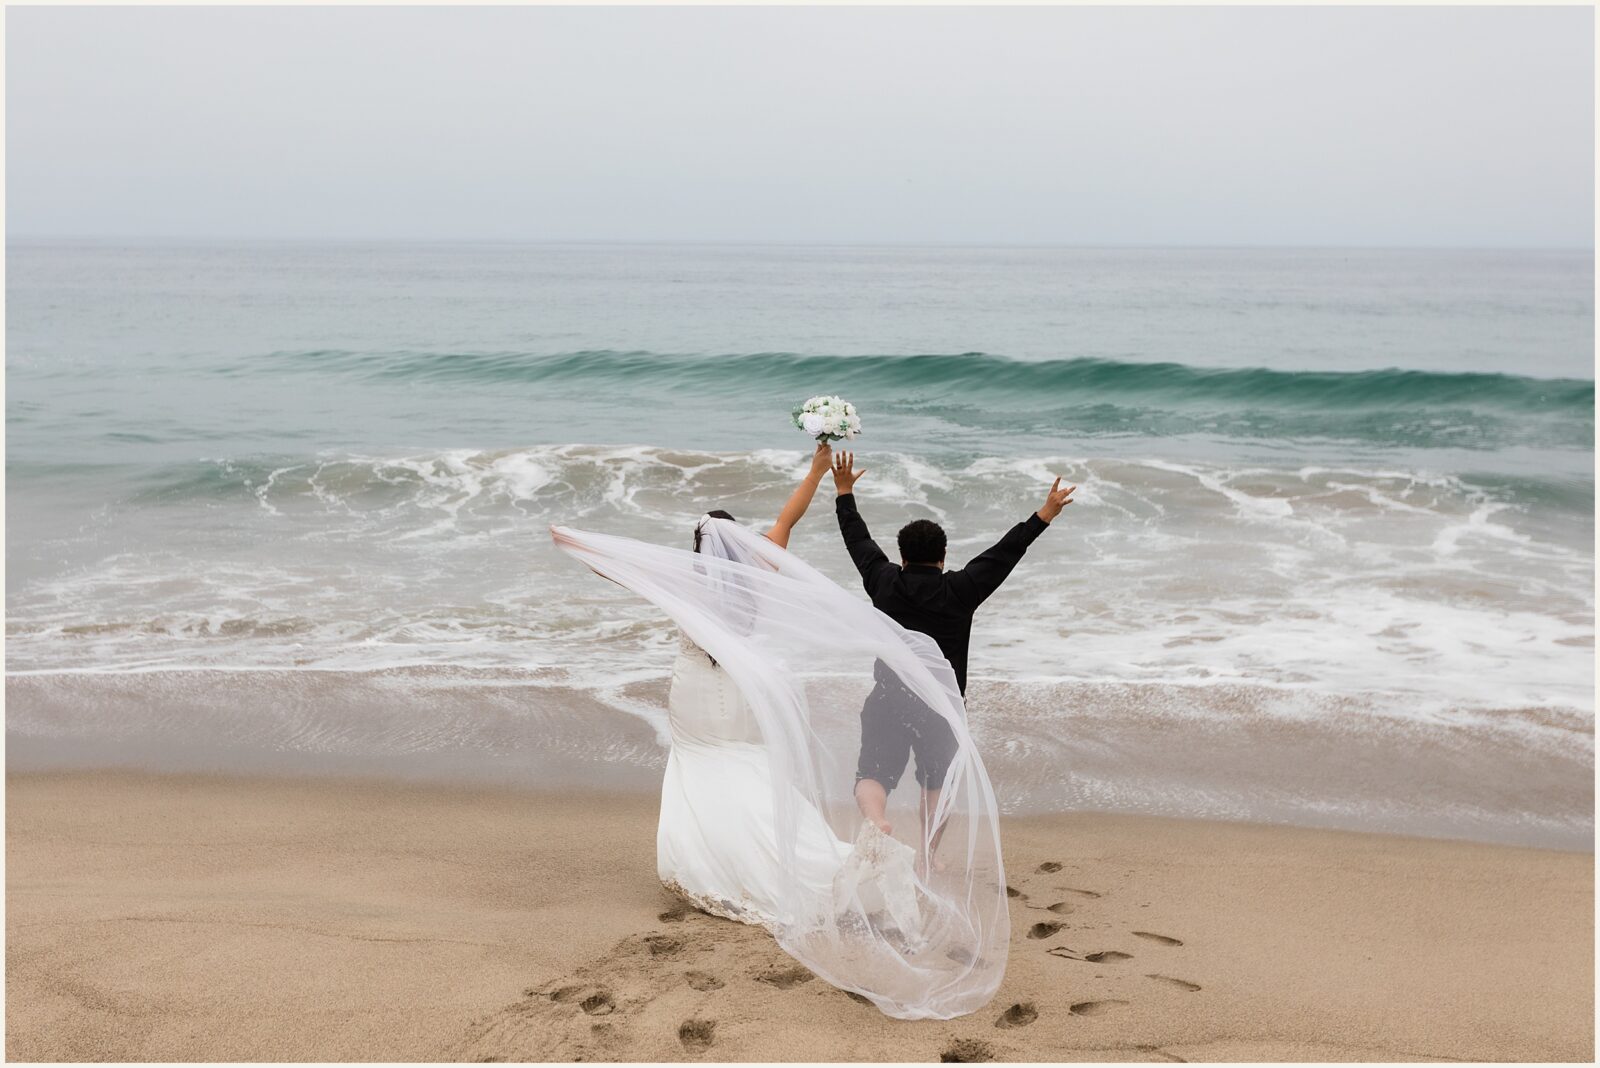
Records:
x=1049, y=866
x=1107, y=956
x=1163, y=939
x=1095, y=1008
x=1085, y=893
x=1044, y=930
x=1012, y=891
x=1019, y=1015
x=629, y=999
x=1182, y=984
x=784, y=978
x=1060, y=907
x=663, y=945
x=598, y=1004
x=702, y=981
x=697, y=1034
x=1063, y=951
x=967, y=1051
x=675, y=915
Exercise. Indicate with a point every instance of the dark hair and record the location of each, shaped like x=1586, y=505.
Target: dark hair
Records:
x=922, y=542
x=717, y=513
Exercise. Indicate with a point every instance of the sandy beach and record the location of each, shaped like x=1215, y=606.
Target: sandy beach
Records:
x=183, y=917
x=373, y=375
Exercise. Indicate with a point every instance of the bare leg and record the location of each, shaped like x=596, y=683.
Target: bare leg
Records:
x=930, y=802
x=872, y=799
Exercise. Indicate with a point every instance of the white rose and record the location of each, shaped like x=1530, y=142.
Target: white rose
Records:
x=830, y=424
x=812, y=423
x=854, y=422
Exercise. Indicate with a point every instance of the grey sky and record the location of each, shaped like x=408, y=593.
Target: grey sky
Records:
x=1242, y=126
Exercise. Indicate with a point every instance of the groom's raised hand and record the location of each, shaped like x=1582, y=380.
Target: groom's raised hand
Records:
x=844, y=474
x=1055, y=500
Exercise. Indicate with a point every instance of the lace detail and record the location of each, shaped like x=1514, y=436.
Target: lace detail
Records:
x=886, y=865
x=721, y=906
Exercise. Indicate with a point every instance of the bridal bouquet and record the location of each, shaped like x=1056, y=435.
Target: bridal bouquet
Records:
x=828, y=418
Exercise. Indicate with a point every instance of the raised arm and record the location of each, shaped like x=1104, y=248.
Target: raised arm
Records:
x=985, y=572
x=864, y=552
x=800, y=499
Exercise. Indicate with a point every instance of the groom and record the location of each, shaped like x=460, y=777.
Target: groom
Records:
x=919, y=594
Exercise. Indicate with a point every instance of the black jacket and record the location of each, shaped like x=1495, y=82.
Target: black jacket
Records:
x=923, y=598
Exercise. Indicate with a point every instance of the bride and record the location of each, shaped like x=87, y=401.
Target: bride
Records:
x=725, y=862
x=758, y=818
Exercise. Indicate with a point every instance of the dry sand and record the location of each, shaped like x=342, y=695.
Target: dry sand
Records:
x=205, y=918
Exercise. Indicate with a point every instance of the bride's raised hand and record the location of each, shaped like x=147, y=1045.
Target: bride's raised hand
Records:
x=800, y=499
x=821, y=460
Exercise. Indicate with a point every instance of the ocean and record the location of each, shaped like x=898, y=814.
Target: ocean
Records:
x=285, y=506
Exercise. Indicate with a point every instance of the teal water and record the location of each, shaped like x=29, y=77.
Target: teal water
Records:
x=1357, y=476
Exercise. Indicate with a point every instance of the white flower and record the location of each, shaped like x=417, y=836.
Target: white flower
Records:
x=828, y=418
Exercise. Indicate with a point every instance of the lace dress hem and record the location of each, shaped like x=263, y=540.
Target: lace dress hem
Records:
x=719, y=906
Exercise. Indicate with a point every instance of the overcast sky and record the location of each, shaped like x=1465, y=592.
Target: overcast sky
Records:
x=1085, y=126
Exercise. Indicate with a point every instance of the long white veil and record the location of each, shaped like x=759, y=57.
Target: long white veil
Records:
x=804, y=655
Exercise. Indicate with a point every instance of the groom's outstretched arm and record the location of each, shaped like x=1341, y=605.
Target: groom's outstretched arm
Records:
x=868, y=558
x=864, y=552
x=985, y=572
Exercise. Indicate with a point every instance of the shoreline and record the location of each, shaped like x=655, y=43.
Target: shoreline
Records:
x=184, y=916
x=1521, y=777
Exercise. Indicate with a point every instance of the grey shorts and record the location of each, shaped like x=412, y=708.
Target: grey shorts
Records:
x=895, y=724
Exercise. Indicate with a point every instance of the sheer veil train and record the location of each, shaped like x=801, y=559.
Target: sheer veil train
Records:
x=758, y=817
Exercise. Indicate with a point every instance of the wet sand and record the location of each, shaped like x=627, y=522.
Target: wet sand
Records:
x=1229, y=752
x=187, y=917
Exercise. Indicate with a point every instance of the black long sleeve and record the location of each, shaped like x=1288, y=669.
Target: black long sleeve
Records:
x=864, y=552
x=985, y=572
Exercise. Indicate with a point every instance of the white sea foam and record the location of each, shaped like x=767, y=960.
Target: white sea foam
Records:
x=1428, y=595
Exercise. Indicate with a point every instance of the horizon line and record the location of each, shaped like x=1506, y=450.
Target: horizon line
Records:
x=773, y=243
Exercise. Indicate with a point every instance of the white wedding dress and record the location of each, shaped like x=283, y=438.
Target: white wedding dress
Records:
x=758, y=817
x=716, y=844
